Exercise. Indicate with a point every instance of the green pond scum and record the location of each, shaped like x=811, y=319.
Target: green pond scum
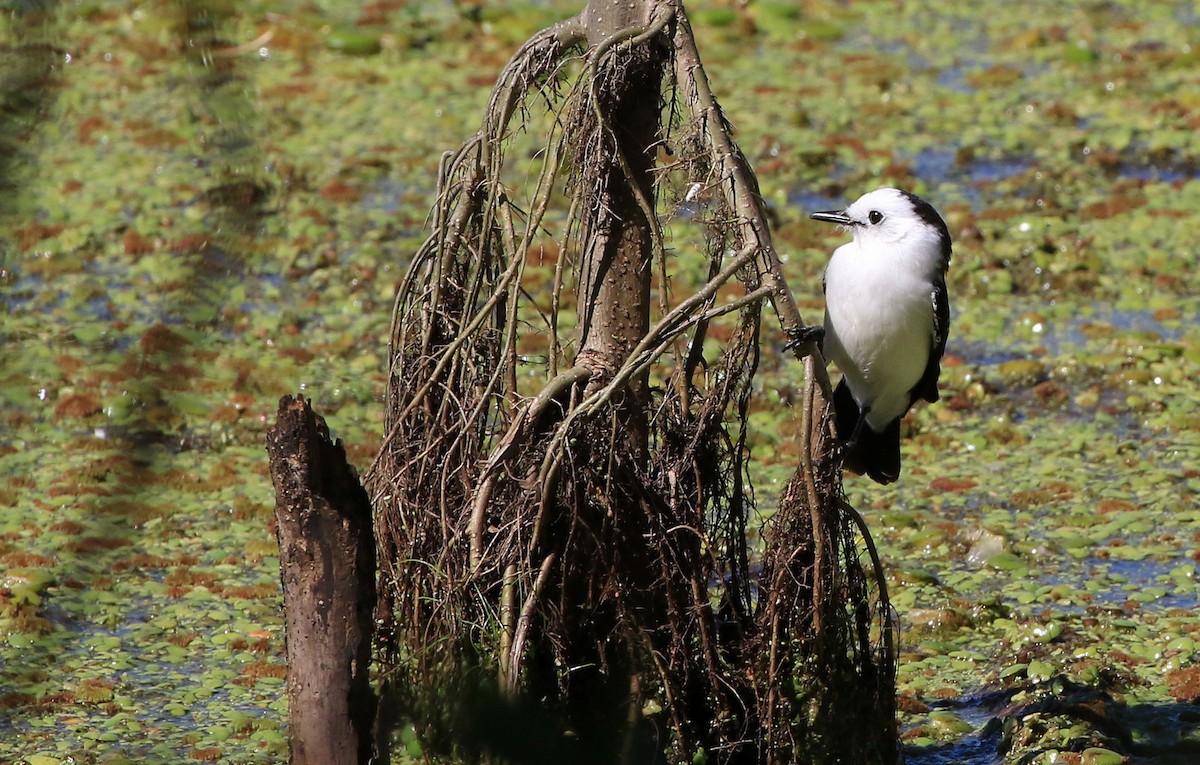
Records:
x=207, y=205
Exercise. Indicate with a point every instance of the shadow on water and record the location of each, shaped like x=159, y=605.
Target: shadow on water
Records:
x=215, y=255
x=30, y=68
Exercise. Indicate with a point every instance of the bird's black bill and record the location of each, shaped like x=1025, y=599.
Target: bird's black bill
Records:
x=833, y=216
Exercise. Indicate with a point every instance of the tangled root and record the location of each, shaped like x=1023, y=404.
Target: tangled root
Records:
x=523, y=542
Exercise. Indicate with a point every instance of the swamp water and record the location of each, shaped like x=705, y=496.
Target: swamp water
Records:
x=203, y=208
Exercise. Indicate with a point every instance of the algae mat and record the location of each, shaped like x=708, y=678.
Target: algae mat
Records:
x=204, y=206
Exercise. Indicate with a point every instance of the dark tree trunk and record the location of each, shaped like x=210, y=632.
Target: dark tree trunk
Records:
x=327, y=566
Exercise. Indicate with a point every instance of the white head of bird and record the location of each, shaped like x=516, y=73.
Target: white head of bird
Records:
x=892, y=225
x=887, y=316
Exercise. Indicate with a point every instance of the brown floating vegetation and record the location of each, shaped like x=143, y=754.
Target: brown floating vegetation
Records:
x=264, y=669
x=208, y=754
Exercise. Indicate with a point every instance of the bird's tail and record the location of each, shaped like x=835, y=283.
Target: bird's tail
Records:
x=872, y=454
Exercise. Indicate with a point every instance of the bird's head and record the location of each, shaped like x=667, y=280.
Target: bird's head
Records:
x=893, y=217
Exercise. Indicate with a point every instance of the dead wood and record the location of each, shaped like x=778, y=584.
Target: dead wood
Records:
x=327, y=566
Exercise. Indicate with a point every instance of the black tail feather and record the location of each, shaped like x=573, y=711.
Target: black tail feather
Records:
x=872, y=454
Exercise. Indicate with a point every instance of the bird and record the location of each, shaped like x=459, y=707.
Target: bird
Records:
x=887, y=317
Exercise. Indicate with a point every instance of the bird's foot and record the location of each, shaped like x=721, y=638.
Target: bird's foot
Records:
x=842, y=447
x=840, y=450
x=814, y=333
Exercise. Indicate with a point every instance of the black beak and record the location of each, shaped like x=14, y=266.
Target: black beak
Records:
x=833, y=216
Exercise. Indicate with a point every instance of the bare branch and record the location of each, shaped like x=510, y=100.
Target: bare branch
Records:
x=737, y=182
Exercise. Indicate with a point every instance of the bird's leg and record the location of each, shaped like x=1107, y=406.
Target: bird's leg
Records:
x=849, y=443
x=843, y=447
x=813, y=333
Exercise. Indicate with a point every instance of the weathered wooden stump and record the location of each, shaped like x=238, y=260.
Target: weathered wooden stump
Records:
x=327, y=566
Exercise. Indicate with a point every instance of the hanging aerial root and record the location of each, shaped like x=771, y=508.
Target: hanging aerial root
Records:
x=519, y=534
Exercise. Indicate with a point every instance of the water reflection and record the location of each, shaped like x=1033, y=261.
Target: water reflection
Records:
x=110, y=326
x=30, y=70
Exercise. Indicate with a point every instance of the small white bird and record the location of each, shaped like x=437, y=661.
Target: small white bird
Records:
x=887, y=315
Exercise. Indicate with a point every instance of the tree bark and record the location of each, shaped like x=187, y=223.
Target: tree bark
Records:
x=614, y=592
x=615, y=273
x=327, y=567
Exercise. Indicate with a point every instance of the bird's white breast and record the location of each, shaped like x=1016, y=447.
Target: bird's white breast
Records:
x=878, y=326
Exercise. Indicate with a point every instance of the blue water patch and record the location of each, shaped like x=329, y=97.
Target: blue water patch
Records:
x=955, y=78
x=810, y=202
x=972, y=175
x=387, y=194
x=1165, y=173
x=1066, y=335
x=944, y=165
x=1138, y=576
x=979, y=748
x=143, y=679
x=934, y=166
x=969, y=750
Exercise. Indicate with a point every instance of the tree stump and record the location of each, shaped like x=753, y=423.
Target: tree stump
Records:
x=327, y=567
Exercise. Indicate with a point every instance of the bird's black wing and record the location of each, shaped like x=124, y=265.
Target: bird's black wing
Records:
x=927, y=386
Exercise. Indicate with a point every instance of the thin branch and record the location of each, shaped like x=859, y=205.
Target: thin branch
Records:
x=524, y=422
x=525, y=619
x=880, y=579
x=508, y=606
x=809, y=419
x=738, y=184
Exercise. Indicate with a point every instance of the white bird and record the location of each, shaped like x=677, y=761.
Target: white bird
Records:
x=887, y=315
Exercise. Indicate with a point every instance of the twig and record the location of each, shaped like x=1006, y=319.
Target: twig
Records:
x=634, y=364
x=880, y=579
x=525, y=421
x=524, y=620
x=508, y=606
x=738, y=185
x=807, y=471
x=523, y=69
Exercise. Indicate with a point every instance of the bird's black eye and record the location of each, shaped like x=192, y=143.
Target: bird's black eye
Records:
x=874, y=216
